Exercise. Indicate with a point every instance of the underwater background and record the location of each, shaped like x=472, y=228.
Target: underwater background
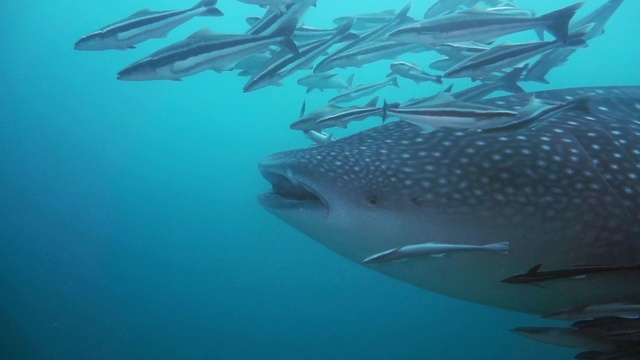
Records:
x=129, y=226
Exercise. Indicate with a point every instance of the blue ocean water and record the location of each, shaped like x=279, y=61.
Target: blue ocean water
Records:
x=128, y=222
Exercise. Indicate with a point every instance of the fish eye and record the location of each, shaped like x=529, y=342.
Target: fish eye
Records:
x=372, y=201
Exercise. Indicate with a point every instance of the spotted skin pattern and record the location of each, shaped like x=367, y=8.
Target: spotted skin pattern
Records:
x=577, y=173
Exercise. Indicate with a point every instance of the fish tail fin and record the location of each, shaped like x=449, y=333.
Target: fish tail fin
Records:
x=582, y=104
x=509, y=81
x=350, y=79
x=394, y=81
x=502, y=247
x=385, y=108
x=438, y=79
x=557, y=22
x=373, y=102
x=403, y=13
x=209, y=7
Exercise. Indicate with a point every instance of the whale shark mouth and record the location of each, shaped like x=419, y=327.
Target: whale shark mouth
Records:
x=287, y=191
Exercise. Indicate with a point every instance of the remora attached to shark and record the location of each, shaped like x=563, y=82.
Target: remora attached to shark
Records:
x=564, y=193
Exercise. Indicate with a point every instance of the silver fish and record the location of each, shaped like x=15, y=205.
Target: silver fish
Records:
x=273, y=21
x=623, y=309
x=567, y=337
x=324, y=81
x=507, y=82
x=380, y=32
x=371, y=53
x=276, y=6
x=433, y=249
x=598, y=18
x=319, y=137
x=563, y=193
x=413, y=72
x=363, y=90
x=353, y=113
x=451, y=115
x=202, y=51
x=287, y=63
x=475, y=25
x=143, y=25
x=509, y=55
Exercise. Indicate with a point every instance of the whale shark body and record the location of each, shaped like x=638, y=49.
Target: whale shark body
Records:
x=562, y=194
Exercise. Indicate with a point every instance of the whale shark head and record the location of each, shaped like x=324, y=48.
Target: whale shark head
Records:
x=562, y=194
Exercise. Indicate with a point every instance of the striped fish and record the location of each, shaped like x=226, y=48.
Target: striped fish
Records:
x=143, y=25
x=203, y=51
x=286, y=63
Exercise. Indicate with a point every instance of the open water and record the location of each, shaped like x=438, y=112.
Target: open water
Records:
x=129, y=227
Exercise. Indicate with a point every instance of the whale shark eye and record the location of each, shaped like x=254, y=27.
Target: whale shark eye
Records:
x=372, y=201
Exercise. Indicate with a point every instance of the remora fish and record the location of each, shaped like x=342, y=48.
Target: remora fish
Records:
x=325, y=81
x=202, y=51
x=507, y=82
x=509, y=55
x=563, y=193
x=368, y=20
x=288, y=63
x=327, y=63
x=535, y=276
x=276, y=6
x=319, y=137
x=432, y=249
x=475, y=25
x=623, y=309
x=567, y=337
x=451, y=115
x=413, y=72
x=353, y=113
x=143, y=25
x=373, y=52
x=598, y=18
x=357, y=92
x=273, y=21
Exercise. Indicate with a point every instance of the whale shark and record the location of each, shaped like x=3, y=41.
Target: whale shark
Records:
x=564, y=193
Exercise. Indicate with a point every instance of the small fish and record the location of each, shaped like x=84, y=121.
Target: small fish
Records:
x=308, y=122
x=368, y=20
x=143, y=25
x=452, y=115
x=622, y=309
x=353, y=113
x=203, y=51
x=476, y=25
x=319, y=137
x=537, y=112
x=273, y=21
x=535, y=276
x=509, y=55
x=567, y=337
x=287, y=63
x=380, y=32
x=440, y=7
x=371, y=53
x=413, y=72
x=598, y=18
x=507, y=82
x=276, y=6
x=363, y=90
x=432, y=249
x=324, y=81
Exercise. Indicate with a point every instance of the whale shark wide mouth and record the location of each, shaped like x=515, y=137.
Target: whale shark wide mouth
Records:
x=287, y=191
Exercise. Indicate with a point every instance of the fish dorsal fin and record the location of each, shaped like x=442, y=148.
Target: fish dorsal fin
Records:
x=142, y=12
x=448, y=89
x=204, y=32
x=303, y=108
x=534, y=269
x=373, y=102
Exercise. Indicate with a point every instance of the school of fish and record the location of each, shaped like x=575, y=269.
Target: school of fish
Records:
x=470, y=35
